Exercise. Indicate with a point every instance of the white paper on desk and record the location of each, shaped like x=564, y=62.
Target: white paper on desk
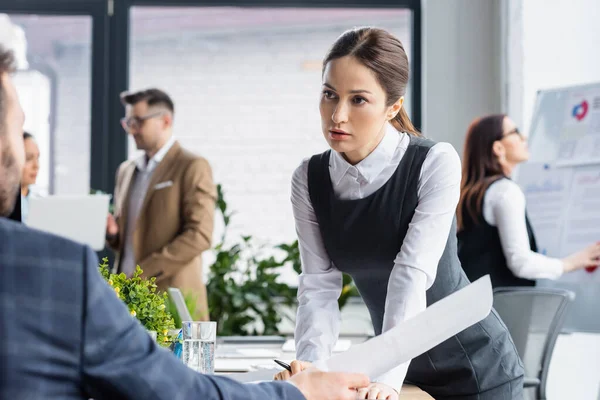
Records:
x=254, y=376
x=341, y=345
x=419, y=334
x=231, y=352
x=233, y=365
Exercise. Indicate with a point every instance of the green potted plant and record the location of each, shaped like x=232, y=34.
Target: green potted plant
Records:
x=144, y=302
x=244, y=294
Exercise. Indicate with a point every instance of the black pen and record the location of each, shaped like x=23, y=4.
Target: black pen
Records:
x=284, y=365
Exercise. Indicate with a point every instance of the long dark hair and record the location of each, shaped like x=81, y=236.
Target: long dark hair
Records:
x=480, y=167
x=382, y=53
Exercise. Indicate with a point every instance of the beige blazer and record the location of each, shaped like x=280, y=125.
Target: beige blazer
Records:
x=175, y=223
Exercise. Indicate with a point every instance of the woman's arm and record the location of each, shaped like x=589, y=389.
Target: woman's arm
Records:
x=320, y=285
x=504, y=207
x=415, y=266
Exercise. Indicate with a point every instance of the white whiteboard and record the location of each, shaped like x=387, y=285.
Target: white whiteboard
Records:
x=562, y=185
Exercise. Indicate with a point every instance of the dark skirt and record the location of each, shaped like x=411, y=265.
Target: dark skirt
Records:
x=512, y=390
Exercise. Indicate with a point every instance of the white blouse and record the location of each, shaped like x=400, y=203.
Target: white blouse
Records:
x=415, y=266
x=504, y=208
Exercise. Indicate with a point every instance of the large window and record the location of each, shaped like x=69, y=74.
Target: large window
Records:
x=54, y=86
x=64, y=82
x=246, y=83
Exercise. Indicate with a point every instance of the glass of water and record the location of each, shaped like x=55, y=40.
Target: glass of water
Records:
x=199, y=339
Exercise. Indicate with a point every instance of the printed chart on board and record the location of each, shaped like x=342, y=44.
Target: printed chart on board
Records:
x=580, y=135
x=561, y=183
x=582, y=218
x=546, y=191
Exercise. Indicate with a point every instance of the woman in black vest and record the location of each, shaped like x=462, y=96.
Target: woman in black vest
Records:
x=380, y=206
x=495, y=236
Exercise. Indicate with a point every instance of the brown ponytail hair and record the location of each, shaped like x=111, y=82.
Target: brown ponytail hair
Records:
x=480, y=167
x=384, y=54
x=402, y=123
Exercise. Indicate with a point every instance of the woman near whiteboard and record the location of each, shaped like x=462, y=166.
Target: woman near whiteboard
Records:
x=494, y=233
x=380, y=205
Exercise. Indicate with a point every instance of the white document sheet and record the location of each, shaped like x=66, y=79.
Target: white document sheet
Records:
x=411, y=338
x=341, y=345
x=419, y=334
x=260, y=375
x=232, y=352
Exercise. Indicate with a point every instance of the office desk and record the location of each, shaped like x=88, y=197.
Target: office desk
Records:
x=410, y=392
x=226, y=363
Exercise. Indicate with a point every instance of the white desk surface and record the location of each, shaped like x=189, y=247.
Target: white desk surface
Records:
x=261, y=356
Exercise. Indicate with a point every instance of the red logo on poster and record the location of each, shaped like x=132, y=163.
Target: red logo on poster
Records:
x=580, y=110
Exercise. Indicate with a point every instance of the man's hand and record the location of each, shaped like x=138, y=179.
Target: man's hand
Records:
x=318, y=385
x=112, y=229
x=297, y=367
x=377, y=390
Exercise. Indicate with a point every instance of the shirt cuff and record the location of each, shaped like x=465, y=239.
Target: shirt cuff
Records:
x=557, y=269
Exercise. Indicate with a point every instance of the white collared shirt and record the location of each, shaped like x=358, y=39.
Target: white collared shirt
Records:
x=415, y=266
x=504, y=208
x=140, y=181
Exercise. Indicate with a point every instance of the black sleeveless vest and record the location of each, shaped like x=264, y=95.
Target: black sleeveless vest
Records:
x=362, y=237
x=480, y=252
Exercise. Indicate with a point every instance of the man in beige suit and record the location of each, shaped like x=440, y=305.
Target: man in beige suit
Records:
x=164, y=202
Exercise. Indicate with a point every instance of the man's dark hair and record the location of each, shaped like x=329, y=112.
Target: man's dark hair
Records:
x=7, y=65
x=152, y=96
x=27, y=135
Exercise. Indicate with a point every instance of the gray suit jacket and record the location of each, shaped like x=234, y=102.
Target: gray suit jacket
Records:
x=65, y=335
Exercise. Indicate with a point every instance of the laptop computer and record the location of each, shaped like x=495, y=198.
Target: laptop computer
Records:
x=81, y=218
x=179, y=301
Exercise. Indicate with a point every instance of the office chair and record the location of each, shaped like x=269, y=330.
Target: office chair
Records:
x=534, y=318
